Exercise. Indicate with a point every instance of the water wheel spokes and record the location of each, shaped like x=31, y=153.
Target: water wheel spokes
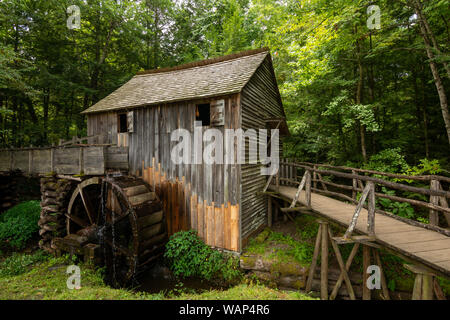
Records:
x=125, y=218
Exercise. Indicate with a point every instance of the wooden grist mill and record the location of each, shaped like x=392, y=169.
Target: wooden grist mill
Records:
x=115, y=196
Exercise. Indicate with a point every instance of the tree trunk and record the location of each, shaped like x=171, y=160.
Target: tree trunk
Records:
x=434, y=69
x=425, y=115
x=429, y=33
x=359, y=88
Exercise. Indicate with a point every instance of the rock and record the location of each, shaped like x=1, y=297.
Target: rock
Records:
x=262, y=236
x=291, y=282
x=289, y=268
x=254, y=263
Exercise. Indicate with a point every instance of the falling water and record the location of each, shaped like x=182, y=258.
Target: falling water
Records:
x=102, y=229
x=113, y=217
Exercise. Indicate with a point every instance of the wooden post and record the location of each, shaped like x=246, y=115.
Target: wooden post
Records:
x=269, y=211
x=366, y=263
x=417, y=290
x=371, y=210
x=308, y=188
x=427, y=287
x=423, y=283
x=312, y=267
x=444, y=203
x=285, y=217
x=355, y=186
x=315, y=177
x=384, y=286
x=438, y=290
x=324, y=262
x=434, y=215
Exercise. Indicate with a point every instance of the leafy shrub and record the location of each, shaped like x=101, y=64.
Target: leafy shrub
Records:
x=299, y=250
x=388, y=160
x=425, y=167
x=18, y=263
x=190, y=257
x=19, y=224
x=402, y=209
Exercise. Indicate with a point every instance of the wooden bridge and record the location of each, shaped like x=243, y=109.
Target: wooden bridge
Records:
x=426, y=247
x=71, y=157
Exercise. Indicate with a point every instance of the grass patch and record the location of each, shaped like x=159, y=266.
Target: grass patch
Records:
x=19, y=224
x=20, y=263
x=246, y=292
x=281, y=247
x=45, y=279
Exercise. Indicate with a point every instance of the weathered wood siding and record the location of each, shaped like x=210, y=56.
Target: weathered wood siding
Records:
x=199, y=196
x=105, y=125
x=260, y=100
x=92, y=160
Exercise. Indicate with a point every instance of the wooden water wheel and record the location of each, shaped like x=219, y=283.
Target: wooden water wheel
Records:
x=124, y=218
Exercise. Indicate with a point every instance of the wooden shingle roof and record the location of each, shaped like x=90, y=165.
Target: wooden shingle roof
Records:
x=203, y=79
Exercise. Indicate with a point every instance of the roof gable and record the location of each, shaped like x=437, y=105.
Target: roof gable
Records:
x=203, y=79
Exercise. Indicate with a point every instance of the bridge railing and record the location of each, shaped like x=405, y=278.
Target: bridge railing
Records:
x=65, y=160
x=368, y=183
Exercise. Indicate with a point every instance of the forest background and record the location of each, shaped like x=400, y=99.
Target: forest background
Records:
x=354, y=95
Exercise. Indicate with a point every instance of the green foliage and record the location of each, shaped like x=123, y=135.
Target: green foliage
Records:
x=301, y=251
x=389, y=160
x=402, y=209
x=425, y=167
x=19, y=224
x=189, y=256
x=19, y=263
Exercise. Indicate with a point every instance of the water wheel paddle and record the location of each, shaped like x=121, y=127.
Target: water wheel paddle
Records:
x=125, y=218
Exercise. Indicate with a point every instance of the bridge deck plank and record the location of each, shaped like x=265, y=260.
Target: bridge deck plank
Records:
x=426, y=246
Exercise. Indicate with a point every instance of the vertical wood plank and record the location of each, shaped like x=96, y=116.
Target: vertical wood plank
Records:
x=434, y=215
x=366, y=263
x=312, y=267
x=417, y=290
x=324, y=262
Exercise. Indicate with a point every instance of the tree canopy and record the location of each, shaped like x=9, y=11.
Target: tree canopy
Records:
x=352, y=89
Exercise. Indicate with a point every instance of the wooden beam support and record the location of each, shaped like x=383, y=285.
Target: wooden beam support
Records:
x=338, y=284
x=324, y=262
x=423, y=283
x=299, y=190
x=312, y=267
x=343, y=268
x=384, y=286
x=366, y=263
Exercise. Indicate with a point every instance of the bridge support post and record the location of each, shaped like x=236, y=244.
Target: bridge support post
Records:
x=321, y=246
x=324, y=262
x=423, y=283
x=366, y=293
